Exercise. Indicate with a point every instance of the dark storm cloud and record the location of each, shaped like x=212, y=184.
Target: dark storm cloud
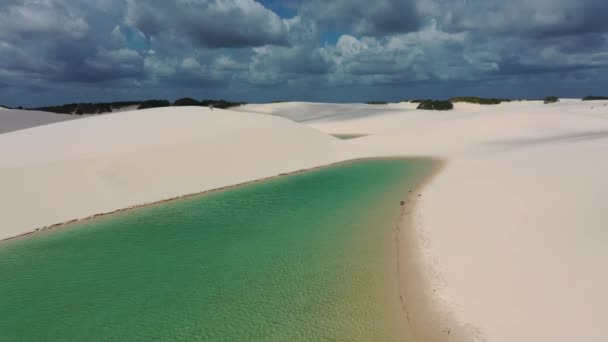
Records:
x=213, y=23
x=63, y=41
x=585, y=43
x=532, y=18
x=365, y=17
x=294, y=61
x=516, y=67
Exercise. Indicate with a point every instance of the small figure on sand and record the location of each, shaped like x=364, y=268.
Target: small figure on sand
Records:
x=211, y=107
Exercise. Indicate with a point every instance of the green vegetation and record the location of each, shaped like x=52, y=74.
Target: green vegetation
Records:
x=108, y=107
x=348, y=136
x=86, y=108
x=376, y=103
x=551, y=99
x=478, y=100
x=186, y=101
x=436, y=105
x=154, y=104
x=420, y=100
x=594, y=98
x=222, y=104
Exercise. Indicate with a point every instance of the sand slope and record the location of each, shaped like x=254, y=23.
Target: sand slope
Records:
x=513, y=230
x=99, y=164
x=13, y=119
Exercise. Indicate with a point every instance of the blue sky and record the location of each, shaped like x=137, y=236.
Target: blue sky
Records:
x=60, y=51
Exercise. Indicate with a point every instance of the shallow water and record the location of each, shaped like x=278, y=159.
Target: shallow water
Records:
x=348, y=136
x=297, y=258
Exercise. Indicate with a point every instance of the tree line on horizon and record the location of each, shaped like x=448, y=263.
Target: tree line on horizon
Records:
x=430, y=104
x=108, y=107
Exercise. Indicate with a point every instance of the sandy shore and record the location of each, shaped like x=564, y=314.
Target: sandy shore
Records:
x=512, y=231
x=424, y=318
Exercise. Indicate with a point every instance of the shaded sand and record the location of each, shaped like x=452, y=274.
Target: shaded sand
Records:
x=14, y=120
x=314, y=266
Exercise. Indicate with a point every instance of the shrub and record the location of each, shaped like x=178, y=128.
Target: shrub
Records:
x=122, y=104
x=107, y=107
x=186, y=101
x=154, y=104
x=594, y=98
x=420, y=100
x=436, y=105
x=64, y=109
x=85, y=108
x=376, y=103
x=478, y=100
x=551, y=99
x=222, y=104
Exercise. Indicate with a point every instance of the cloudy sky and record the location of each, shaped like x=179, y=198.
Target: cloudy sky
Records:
x=58, y=51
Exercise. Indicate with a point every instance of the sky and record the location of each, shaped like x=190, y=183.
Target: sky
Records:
x=64, y=51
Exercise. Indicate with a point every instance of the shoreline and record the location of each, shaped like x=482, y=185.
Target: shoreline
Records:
x=421, y=316
x=202, y=193
x=427, y=317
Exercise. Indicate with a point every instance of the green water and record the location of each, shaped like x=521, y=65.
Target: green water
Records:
x=298, y=258
x=348, y=136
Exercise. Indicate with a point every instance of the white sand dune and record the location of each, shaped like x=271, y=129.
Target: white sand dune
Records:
x=13, y=119
x=514, y=228
x=56, y=173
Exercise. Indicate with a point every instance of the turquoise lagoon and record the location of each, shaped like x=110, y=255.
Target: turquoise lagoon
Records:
x=305, y=257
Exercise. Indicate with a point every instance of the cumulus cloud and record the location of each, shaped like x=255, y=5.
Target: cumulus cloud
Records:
x=63, y=41
x=401, y=58
x=212, y=23
x=29, y=18
x=140, y=48
x=538, y=18
x=365, y=17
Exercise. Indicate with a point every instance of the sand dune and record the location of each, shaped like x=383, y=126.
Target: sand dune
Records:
x=13, y=120
x=100, y=164
x=513, y=230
